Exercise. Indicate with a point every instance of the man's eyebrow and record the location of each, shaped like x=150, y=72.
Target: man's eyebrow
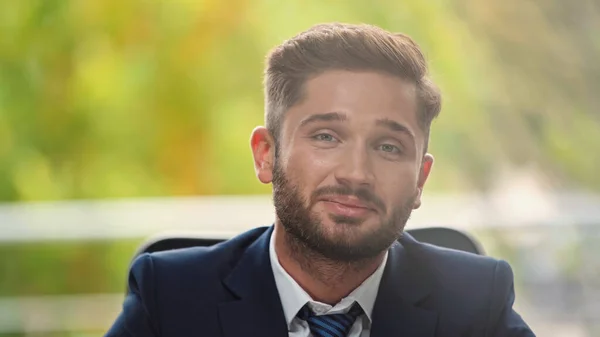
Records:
x=395, y=126
x=324, y=117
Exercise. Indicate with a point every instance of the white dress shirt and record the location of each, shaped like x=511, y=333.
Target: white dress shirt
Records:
x=293, y=298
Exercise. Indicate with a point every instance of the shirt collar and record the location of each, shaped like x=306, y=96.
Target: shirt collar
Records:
x=293, y=297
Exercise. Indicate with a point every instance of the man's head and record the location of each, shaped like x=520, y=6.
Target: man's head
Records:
x=348, y=112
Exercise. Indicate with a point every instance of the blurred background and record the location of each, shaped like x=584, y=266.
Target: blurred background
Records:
x=122, y=119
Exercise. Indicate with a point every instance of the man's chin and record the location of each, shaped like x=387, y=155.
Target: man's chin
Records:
x=343, y=249
x=348, y=227
x=342, y=242
x=341, y=234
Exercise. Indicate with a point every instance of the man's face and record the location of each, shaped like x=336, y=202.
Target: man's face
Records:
x=350, y=166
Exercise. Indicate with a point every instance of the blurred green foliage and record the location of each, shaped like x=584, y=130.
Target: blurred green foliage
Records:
x=108, y=99
x=58, y=268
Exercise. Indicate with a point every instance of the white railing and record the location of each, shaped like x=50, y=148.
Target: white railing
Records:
x=223, y=216
x=92, y=312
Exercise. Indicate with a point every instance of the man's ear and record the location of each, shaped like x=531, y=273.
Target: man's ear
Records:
x=426, y=166
x=263, y=152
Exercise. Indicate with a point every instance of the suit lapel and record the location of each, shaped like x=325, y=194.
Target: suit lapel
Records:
x=404, y=284
x=258, y=310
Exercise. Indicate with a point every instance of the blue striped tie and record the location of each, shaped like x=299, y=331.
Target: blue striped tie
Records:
x=335, y=325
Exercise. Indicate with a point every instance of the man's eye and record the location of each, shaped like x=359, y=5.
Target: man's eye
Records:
x=325, y=137
x=389, y=148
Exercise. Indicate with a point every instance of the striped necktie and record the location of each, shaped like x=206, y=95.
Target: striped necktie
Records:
x=334, y=325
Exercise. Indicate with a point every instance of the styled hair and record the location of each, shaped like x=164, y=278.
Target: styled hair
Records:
x=339, y=46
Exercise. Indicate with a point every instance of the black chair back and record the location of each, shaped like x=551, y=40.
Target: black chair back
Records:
x=439, y=236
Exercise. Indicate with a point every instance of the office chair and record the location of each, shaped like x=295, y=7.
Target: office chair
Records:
x=439, y=236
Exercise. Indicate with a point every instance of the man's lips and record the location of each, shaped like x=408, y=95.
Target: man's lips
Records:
x=346, y=206
x=347, y=201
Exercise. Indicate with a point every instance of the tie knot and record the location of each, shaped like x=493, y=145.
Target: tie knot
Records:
x=336, y=325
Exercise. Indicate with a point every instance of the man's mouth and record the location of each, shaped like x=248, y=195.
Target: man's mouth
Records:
x=347, y=205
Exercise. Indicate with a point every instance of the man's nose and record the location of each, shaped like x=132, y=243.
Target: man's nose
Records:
x=355, y=168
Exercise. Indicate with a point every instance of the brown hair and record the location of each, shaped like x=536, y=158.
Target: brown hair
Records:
x=337, y=46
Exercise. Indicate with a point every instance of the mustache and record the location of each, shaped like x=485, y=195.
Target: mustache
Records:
x=363, y=194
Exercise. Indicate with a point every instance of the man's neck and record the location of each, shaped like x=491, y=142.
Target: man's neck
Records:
x=325, y=280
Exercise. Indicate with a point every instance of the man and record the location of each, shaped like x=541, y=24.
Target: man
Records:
x=348, y=112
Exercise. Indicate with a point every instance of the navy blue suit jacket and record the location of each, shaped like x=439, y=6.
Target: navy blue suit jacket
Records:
x=229, y=290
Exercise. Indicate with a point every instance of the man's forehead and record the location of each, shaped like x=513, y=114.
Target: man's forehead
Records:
x=363, y=97
x=336, y=84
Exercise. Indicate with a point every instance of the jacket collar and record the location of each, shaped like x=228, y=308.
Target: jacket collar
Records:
x=257, y=311
x=406, y=283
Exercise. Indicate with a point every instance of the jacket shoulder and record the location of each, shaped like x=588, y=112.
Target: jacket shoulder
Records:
x=455, y=269
x=183, y=285
x=202, y=259
x=182, y=272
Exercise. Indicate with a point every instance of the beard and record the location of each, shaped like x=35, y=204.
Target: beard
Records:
x=306, y=232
